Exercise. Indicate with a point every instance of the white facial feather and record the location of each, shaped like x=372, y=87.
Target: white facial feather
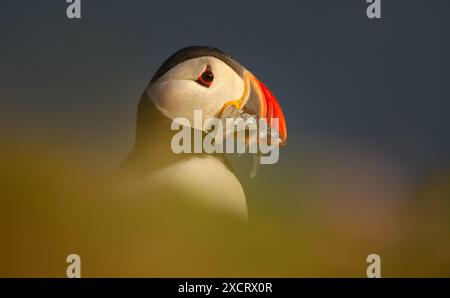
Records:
x=177, y=94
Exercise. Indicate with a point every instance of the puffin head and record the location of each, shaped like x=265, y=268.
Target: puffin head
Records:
x=206, y=79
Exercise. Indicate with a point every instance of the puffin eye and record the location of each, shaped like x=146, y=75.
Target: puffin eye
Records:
x=206, y=78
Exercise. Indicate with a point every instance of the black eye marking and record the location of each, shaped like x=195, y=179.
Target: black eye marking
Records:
x=206, y=78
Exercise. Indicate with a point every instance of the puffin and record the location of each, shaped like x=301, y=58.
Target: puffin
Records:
x=196, y=78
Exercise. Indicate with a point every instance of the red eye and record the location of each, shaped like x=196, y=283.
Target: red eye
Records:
x=206, y=78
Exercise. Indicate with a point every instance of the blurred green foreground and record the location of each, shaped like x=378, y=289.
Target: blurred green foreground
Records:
x=53, y=204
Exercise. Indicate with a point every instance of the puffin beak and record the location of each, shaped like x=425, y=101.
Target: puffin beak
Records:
x=258, y=100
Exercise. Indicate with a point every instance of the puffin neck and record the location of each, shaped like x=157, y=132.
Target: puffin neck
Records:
x=152, y=148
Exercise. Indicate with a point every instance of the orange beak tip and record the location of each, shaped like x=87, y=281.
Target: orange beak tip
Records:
x=273, y=110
